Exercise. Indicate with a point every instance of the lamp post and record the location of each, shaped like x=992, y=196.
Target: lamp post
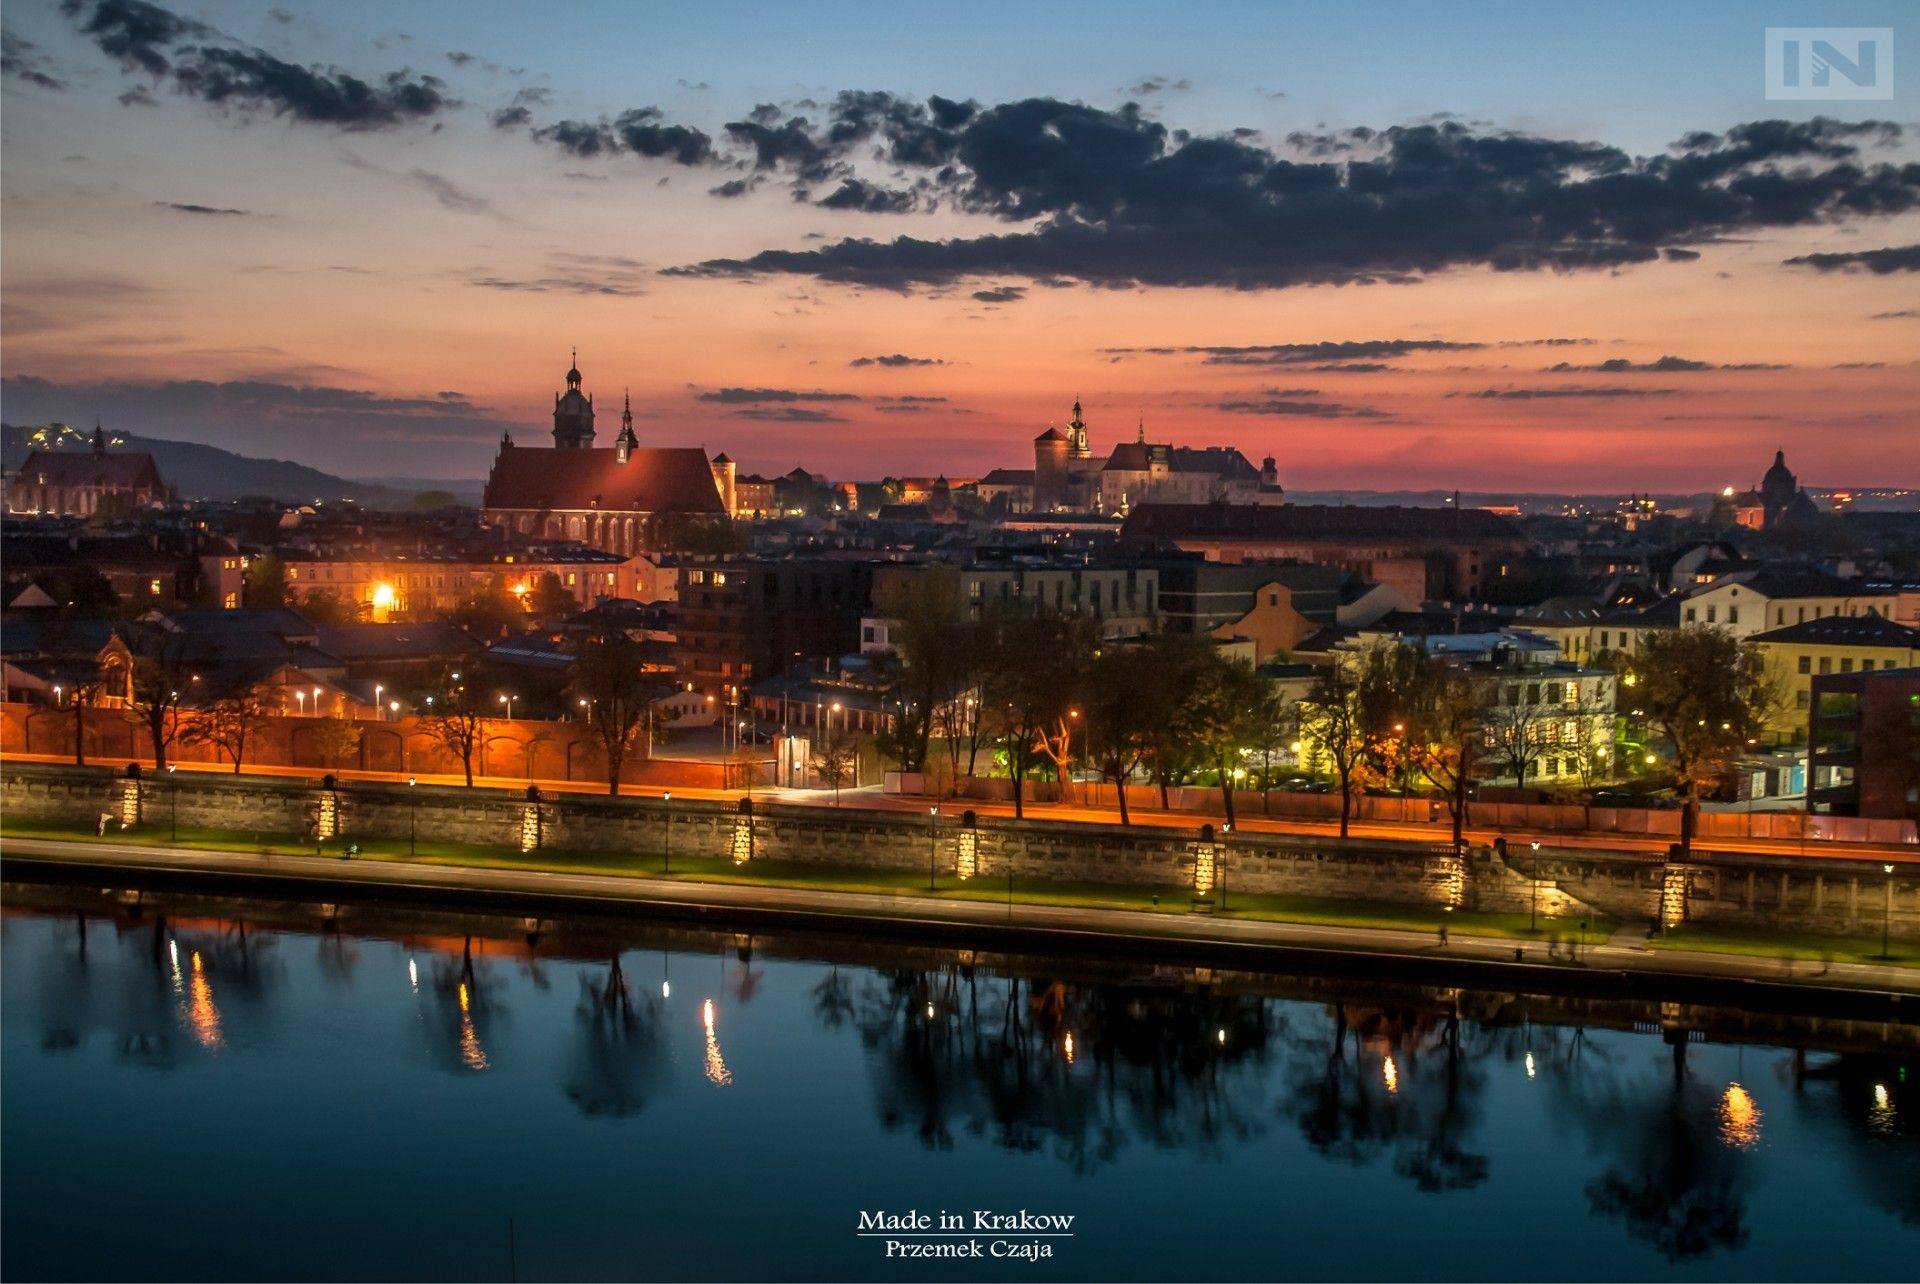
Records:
x=316, y=702
x=173, y=808
x=378, y=690
x=1886, y=916
x=666, y=864
x=301, y=696
x=508, y=700
x=933, y=843
x=413, y=814
x=1533, y=867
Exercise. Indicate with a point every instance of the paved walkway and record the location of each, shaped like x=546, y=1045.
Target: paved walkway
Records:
x=1624, y=951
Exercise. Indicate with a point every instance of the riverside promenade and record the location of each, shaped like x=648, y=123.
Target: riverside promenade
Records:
x=1623, y=959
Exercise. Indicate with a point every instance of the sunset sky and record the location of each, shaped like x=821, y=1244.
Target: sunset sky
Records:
x=1524, y=247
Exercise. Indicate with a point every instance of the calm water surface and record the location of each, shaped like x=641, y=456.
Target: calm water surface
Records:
x=241, y=1094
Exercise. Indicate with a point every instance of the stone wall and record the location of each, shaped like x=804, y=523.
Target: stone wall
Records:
x=1816, y=894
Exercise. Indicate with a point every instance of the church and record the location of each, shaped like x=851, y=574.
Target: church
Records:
x=624, y=499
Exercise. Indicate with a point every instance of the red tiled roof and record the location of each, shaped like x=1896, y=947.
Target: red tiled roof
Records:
x=661, y=479
x=89, y=468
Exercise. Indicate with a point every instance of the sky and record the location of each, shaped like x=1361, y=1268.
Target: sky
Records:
x=1513, y=247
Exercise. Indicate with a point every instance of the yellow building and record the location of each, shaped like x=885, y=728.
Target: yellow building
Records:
x=1798, y=653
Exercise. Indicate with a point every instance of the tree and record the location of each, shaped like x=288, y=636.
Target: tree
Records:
x=1333, y=721
x=266, y=584
x=550, y=598
x=1176, y=665
x=958, y=717
x=610, y=675
x=1119, y=733
x=926, y=616
x=338, y=738
x=490, y=611
x=1519, y=712
x=1229, y=705
x=1443, y=707
x=324, y=606
x=1027, y=688
x=1709, y=697
x=836, y=760
x=162, y=674
x=228, y=721
x=453, y=713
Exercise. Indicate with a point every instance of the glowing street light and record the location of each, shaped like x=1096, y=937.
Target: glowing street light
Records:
x=508, y=700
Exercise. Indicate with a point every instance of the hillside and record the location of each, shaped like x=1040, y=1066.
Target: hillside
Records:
x=208, y=472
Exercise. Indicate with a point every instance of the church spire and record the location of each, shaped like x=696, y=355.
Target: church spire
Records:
x=1077, y=446
x=626, y=443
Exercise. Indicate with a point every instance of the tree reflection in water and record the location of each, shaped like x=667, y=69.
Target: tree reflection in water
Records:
x=992, y=1057
x=464, y=1013
x=617, y=1060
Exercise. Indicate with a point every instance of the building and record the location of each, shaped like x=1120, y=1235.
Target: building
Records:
x=1754, y=601
x=1423, y=553
x=1780, y=496
x=739, y=621
x=1270, y=605
x=1836, y=644
x=1068, y=476
x=1864, y=744
x=86, y=483
x=625, y=499
x=1122, y=596
x=426, y=582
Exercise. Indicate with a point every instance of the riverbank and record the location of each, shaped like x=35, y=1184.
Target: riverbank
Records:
x=549, y=883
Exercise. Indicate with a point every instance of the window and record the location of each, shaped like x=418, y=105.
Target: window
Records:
x=1733, y=615
x=1710, y=613
x=1800, y=700
x=1826, y=664
x=1806, y=664
x=231, y=601
x=153, y=587
x=1691, y=615
x=1846, y=664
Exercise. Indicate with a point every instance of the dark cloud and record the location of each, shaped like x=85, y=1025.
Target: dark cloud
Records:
x=1662, y=365
x=1001, y=294
x=896, y=359
x=1570, y=393
x=203, y=64
x=1900, y=314
x=22, y=59
x=640, y=132
x=1339, y=351
x=791, y=415
x=188, y=207
x=749, y=396
x=1147, y=86
x=606, y=275
x=1117, y=199
x=511, y=118
x=1282, y=406
x=1895, y=258
x=867, y=198
x=450, y=194
x=731, y=188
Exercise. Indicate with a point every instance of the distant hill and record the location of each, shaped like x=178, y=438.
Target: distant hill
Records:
x=208, y=472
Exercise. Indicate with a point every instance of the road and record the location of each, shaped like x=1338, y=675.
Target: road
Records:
x=1250, y=819
x=1623, y=953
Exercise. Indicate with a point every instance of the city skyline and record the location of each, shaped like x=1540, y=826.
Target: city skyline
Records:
x=368, y=241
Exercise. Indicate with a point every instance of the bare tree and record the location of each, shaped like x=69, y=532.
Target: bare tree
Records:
x=611, y=677
x=228, y=721
x=453, y=714
x=836, y=761
x=162, y=673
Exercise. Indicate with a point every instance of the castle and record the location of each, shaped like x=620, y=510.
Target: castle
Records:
x=1068, y=477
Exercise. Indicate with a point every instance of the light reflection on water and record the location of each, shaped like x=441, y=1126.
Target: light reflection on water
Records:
x=286, y=1093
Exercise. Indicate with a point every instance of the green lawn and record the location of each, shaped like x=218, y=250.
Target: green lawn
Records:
x=1787, y=945
x=1322, y=911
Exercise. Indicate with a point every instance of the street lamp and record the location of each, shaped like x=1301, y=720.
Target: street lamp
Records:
x=933, y=842
x=508, y=700
x=1886, y=916
x=413, y=814
x=1533, y=915
x=378, y=689
x=301, y=696
x=173, y=808
x=666, y=864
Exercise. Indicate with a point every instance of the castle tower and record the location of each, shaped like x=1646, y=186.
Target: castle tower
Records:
x=626, y=443
x=573, y=412
x=726, y=479
x=1077, y=435
x=1050, y=450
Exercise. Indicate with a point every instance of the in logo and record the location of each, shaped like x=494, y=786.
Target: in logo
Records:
x=1835, y=64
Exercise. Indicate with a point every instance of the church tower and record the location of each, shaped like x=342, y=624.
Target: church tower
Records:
x=573, y=412
x=626, y=443
x=1077, y=447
